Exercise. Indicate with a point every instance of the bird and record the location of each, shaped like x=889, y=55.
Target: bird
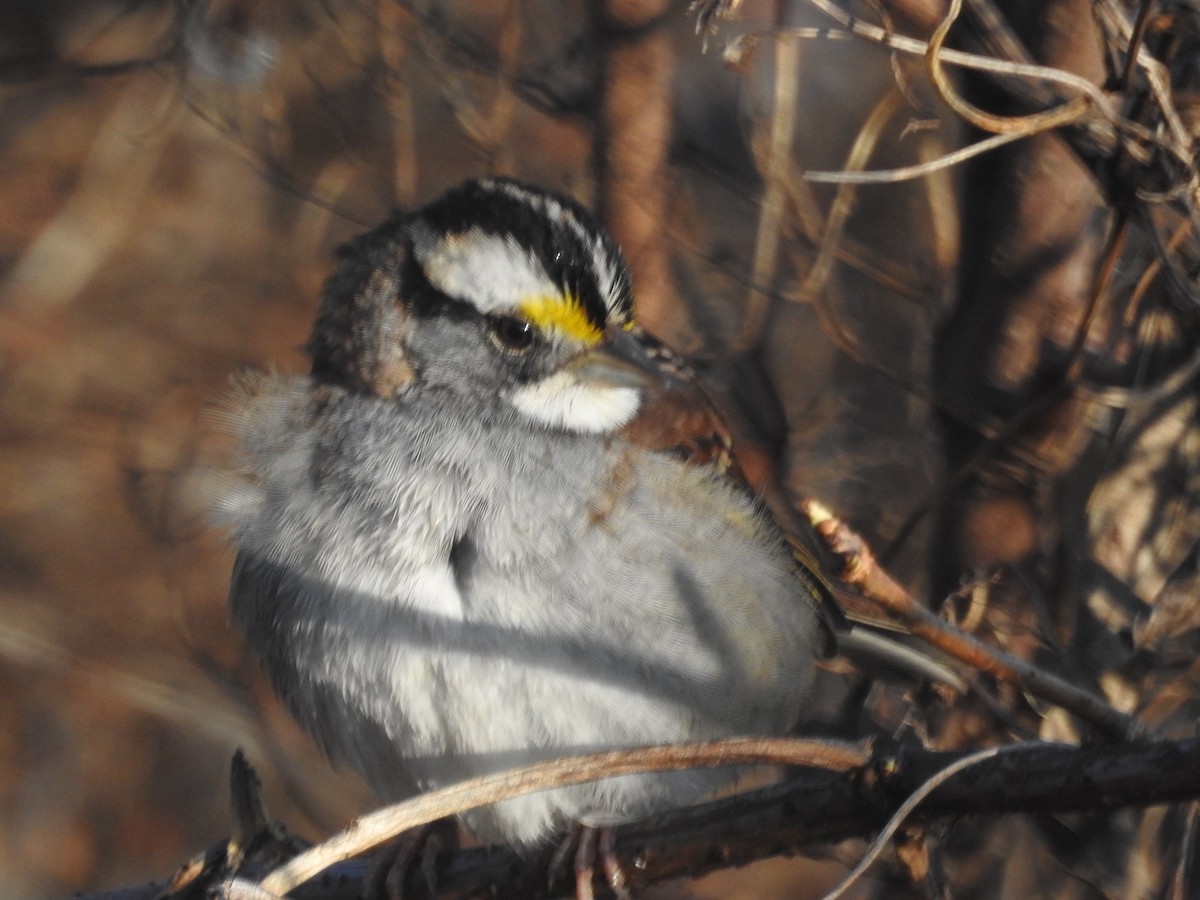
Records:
x=497, y=523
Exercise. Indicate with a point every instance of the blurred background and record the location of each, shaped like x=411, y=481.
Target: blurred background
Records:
x=175, y=176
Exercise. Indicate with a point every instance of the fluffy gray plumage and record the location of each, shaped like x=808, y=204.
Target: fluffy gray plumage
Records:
x=441, y=586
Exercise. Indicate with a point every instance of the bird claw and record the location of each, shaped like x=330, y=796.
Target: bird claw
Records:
x=591, y=844
x=393, y=865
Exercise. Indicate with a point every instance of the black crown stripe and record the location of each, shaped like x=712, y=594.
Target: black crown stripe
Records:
x=563, y=253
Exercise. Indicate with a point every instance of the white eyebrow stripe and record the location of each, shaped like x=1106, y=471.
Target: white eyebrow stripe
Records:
x=493, y=272
x=602, y=259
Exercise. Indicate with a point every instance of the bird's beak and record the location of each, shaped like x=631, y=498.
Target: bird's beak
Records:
x=621, y=360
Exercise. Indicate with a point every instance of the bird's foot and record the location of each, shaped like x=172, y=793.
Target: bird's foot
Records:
x=592, y=844
x=418, y=849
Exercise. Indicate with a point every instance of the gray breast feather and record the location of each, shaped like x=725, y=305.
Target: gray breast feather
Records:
x=438, y=630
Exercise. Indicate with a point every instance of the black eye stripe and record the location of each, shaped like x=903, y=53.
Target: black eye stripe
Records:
x=511, y=333
x=423, y=299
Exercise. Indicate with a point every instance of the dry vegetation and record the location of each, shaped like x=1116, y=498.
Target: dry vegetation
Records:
x=988, y=368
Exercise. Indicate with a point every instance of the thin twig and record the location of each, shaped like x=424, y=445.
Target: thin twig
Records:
x=1153, y=268
x=1135, y=43
x=381, y=826
x=776, y=172
x=865, y=143
x=1097, y=297
x=1181, y=143
x=1160, y=81
x=959, y=58
x=1068, y=113
x=862, y=571
x=906, y=809
x=919, y=170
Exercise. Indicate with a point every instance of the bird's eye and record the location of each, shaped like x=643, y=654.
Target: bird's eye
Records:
x=512, y=333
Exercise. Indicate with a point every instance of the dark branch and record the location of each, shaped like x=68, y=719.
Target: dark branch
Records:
x=816, y=808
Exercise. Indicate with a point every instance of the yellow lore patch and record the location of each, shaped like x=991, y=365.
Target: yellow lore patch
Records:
x=562, y=313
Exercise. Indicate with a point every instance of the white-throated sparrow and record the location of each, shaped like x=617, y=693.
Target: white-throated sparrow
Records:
x=494, y=525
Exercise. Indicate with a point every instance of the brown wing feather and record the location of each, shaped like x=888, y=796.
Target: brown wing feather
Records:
x=679, y=417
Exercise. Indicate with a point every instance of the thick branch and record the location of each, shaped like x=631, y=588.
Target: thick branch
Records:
x=819, y=807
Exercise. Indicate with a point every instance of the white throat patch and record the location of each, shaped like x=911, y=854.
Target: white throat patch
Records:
x=563, y=401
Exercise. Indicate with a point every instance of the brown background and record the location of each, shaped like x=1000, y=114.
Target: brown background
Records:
x=174, y=180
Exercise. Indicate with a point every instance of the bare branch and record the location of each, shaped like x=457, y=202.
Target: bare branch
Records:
x=861, y=570
x=818, y=807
